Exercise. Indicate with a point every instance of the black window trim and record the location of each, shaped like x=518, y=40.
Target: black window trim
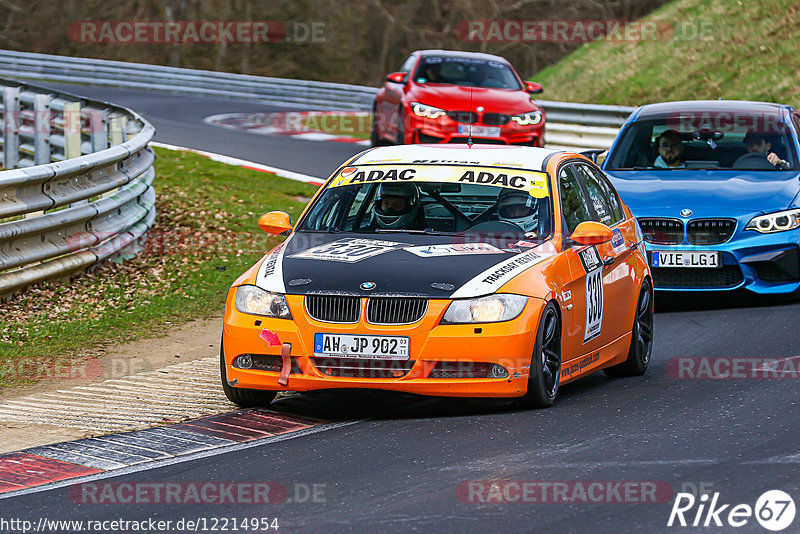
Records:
x=589, y=205
x=610, y=186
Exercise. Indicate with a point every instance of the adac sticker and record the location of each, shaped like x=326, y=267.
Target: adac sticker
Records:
x=533, y=182
x=618, y=242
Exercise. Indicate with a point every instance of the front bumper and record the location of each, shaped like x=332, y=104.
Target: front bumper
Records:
x=761, y=263
x=445, y=130
x=509, y=344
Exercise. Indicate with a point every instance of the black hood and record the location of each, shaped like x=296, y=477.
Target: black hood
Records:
x=385, y=263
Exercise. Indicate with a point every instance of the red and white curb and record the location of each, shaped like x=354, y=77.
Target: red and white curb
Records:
x=61, y=464
x=253, y=166
x=289, y=124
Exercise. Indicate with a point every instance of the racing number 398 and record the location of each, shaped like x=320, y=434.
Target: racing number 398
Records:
x=347, y=249
x=594, y=304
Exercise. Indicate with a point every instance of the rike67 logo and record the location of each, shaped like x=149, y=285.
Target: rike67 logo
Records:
x=774, y=510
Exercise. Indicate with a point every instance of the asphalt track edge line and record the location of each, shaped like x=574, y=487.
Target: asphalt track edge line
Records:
x=237, y=162
x=234, y=447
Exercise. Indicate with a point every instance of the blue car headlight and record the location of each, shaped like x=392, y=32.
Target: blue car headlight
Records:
x=427, y=111
x=775, y=222
x=256, y=301
x=491, y=309
x=527, y=119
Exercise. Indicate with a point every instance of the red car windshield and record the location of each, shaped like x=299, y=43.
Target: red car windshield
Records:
x=467, y=72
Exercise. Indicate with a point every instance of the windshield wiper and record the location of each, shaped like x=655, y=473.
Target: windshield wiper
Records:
x=427, y=231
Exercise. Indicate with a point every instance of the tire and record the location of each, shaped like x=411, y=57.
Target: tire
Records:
x=246, y=398
x=401, y=127
x=374, y=136
x=641, y=338
x=545, y=371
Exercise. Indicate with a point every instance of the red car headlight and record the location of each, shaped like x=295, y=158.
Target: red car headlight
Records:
x=527, y=119
x=430, y=112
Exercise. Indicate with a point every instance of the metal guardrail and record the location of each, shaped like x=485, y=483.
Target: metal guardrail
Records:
x=569, y=124
x=582, y=126
x=77, y=185
x=309, y=95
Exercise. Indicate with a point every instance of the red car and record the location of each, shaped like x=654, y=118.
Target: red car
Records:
x=443, y=96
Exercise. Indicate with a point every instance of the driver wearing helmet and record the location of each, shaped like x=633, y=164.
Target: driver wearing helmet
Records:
x=518, y=208
x=397, y=205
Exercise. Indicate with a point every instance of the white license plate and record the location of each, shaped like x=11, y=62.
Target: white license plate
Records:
x=367, y=347
x=685, y=259
x=482, y=131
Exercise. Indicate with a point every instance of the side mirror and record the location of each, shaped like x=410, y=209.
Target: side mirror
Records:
x=276, y=222
x=533, y=87
x=594, y=154
x=592, y=233
x=397, y=77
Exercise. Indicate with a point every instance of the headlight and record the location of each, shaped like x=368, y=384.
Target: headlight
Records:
x=427, y=111
x=526, y=119
x=256, y=301
x=492, y=309
x=775, y=222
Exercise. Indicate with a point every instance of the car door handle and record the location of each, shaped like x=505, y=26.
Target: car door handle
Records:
x=609, y=260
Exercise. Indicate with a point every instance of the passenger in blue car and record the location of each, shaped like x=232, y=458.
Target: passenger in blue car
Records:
x=670, y=151
x=759, y=154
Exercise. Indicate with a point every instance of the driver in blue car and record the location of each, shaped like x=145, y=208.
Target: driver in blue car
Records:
x=670, y=151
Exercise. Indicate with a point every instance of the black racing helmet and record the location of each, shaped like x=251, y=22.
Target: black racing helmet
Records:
x=397, y=216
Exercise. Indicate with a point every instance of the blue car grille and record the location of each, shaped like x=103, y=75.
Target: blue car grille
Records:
x=709, y=231
x=662, y=231
x=693, y=278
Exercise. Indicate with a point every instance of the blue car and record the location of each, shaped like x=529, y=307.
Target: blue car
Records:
x=714, y=185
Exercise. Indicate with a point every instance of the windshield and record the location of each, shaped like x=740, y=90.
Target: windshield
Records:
x=467, y=72
x=723, y=141
x=434, y=199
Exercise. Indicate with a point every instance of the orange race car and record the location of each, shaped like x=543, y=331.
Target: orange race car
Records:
x=445, y=270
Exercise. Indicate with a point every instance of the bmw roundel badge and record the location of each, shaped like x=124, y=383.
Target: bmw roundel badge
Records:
x=686, y=213
x=368, y=286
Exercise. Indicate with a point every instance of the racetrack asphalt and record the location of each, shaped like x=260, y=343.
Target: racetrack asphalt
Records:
x=179, y=121
x=402, y=466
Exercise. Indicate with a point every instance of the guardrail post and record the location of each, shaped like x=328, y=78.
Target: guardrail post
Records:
x=98, y=126
x=72, y=136
x=72, y=130
x=42, y=124
x=11, y=120
x=118, y=130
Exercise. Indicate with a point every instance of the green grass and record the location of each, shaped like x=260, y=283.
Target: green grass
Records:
x=205, y=236
x=749, y=52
